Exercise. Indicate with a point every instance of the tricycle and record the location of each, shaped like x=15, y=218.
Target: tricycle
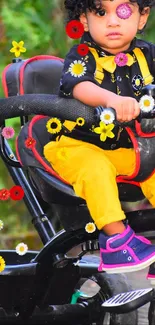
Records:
x=45, y=287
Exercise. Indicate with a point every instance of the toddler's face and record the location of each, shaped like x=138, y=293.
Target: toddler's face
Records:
x=115, y=26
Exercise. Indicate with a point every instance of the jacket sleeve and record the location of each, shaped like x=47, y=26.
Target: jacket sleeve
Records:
x=76, y=69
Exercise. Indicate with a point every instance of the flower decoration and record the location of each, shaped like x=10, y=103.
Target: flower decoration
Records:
x=30, y=142
x=2, y=264
x=77, y=68
x=74, y=29
x=137, y=82
x=4, y=194
x=123, y=11
x=21, y=249
x=1, y=224
x=54, y=125
x=80, y=121
x=16, y=193
x=146, y=103
x=90, y=227
x=107, y=116
x=8, y=132
x=18, y=48
x=105, y=131
x=82, y=49
x=121, y=59
x=62, y=154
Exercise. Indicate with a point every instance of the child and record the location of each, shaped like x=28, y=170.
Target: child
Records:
x=111, y=74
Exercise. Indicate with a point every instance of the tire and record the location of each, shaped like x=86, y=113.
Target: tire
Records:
x=110, y=285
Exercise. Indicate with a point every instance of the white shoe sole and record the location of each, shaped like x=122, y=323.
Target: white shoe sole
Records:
x=133, y=268
x=152, y=281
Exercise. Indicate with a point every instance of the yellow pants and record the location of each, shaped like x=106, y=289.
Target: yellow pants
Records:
x=92, y=172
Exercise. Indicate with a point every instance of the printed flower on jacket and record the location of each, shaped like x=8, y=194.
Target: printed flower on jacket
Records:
x=105, y=131
x=18, y=48
x=146, y=103
x=2, y=264
x=77, y=68
x=54, y=125
x=90, y=227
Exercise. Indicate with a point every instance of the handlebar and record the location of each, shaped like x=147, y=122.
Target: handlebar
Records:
x=53, y=105
x=45, y=104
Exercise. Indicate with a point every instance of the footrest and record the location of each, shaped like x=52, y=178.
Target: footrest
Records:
x=128, y=301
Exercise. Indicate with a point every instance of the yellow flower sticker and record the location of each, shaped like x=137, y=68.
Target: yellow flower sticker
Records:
x=18, y=48
x=54, y=125
x=2, y=264
x=80, y=121
x=90, y=227
x=105, y=131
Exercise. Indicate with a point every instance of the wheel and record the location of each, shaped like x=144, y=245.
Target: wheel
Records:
x=108, y=286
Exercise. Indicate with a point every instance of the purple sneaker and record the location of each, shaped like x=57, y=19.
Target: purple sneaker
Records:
x=125, y=252
x=151, y=274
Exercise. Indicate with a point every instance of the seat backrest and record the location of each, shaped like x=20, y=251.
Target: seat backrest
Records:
x=39, y=74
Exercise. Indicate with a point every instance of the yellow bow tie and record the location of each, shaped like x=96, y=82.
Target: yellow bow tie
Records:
x=108, y=62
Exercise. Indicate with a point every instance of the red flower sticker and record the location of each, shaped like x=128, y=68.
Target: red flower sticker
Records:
x=83, y=49
x=16, y=193
x=30, y=142
x=4, y=194
x=74, y=29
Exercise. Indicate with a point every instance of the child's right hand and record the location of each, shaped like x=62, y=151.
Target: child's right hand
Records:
x=127, y=108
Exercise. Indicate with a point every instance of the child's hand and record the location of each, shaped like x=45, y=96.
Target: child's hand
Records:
x=127, y=108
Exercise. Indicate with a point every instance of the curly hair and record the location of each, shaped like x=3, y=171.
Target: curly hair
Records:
x=75, y=8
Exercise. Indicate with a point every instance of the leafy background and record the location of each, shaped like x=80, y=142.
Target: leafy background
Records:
x=41, y=27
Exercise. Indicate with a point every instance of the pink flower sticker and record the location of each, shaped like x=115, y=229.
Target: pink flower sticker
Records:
x=8, y=132
x=121, y=59
x=123, y=11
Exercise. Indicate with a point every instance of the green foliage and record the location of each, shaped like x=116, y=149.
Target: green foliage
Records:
x=40, y=24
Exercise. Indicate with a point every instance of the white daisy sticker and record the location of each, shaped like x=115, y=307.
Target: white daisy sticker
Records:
x=77, y=68
x=107, y=116
x=146, y=103
x=21, y=249
x=1, y=224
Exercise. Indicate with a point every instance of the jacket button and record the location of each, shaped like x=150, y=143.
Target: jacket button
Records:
x=119, y=78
